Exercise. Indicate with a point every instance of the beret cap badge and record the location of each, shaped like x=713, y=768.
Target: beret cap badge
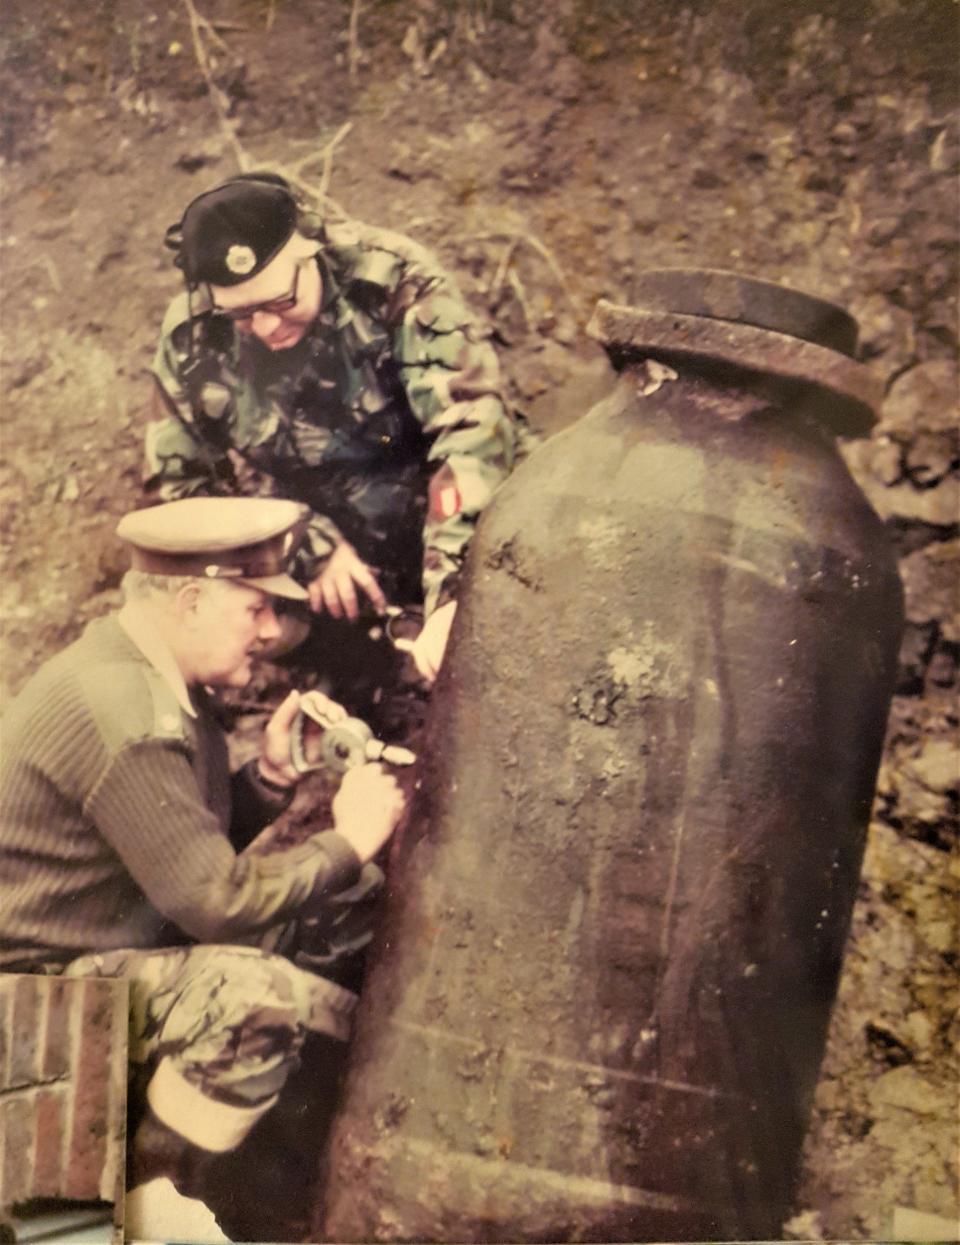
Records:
x=229, y=233
x=240, y=260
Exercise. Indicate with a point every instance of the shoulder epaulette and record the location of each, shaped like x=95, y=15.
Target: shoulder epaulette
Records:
x=134, y=704
x=167, y=715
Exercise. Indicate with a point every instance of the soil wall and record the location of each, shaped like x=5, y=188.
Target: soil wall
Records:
x=548, y=156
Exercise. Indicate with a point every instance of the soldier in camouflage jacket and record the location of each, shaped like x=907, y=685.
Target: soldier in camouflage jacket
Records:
x=339, y=367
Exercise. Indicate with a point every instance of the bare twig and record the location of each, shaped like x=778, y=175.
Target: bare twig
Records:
x=300, y=165
x=211, y=28
x=52, y=271
x=518, y=288
x=327, y=154
x=199, y=24
x=322, y=154
x=503, y=266
x=515, y=238
x=353, y=51
x=271, y=14
x=296, y=172
x=330, y=206
x=544, y=250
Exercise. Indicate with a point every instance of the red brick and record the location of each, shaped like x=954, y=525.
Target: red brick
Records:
x=56, y=1054
x=24, y=1031
x=48, y=1152
x=88, y=1139
x=17, y=1126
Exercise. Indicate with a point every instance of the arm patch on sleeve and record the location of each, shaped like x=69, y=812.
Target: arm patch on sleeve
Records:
x=444, y=495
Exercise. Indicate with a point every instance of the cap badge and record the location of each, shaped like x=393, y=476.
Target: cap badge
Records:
x=240, y=260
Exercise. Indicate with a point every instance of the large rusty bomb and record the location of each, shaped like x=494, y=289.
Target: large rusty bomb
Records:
x=602, y=985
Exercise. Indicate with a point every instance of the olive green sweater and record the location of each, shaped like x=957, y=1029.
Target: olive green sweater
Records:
x=120, y=821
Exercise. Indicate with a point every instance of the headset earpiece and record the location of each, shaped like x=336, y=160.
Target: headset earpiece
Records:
x=173, y=238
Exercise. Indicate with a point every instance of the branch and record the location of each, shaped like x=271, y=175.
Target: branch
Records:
x=518, y=288
x=294, y=174
x=503, y=266
x=555, y=268
x=516, y=237
x=353, y=51
x=212, y=29
x=330, y=206
x=197, y=24
x=327, y=154
x=215, y=27
x=52, y=271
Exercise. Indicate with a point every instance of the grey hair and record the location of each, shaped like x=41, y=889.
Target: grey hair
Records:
x=137, y=585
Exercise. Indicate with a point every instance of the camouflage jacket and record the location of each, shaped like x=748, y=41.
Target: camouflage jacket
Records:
x=386, y=419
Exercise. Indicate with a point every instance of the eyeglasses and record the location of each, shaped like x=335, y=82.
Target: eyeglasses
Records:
x=274, y=306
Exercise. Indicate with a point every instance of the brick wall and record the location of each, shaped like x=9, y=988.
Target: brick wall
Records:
x=63, y=1070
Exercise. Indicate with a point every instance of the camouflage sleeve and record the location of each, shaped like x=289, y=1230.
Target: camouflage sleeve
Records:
x=452, y=379
x=176, y=463
x=179, y=461
x=319, y=541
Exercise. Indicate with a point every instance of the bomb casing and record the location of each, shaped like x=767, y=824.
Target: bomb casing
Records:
x=601, y=992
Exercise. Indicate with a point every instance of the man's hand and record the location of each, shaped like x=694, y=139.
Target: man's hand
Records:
x=322, y=707
x=335, y=588
x=430, y=645
x=274, y=764
x=367, y=808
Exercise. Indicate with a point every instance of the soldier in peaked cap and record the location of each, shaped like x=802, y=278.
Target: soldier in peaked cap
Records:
x=218, y=539
x=338, y=366
x=125, y=840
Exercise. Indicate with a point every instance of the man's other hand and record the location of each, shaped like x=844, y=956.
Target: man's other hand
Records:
x=274, y=764
x=319, y=706
x=367, y=808
x=430, y=645
x=335, y=588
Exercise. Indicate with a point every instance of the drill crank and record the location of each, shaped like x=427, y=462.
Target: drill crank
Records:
x=344, y=744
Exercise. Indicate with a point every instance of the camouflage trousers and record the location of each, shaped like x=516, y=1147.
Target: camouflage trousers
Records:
x=227, y=1021
x=231, y=1019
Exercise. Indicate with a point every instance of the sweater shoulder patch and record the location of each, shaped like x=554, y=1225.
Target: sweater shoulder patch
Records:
x=135, y=704
x=167, y=716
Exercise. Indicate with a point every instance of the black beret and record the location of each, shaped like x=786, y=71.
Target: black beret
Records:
x=228, y=234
